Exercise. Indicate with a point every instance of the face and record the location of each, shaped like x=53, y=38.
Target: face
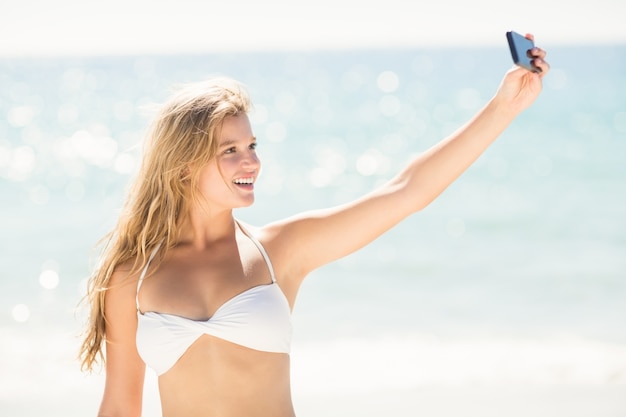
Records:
x=227, y=181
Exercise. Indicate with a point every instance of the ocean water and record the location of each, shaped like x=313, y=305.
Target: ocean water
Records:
x=507, y=294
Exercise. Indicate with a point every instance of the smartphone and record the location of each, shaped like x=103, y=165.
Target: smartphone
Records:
x=520, y=50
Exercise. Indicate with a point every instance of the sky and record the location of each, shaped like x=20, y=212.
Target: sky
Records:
x=87, y=27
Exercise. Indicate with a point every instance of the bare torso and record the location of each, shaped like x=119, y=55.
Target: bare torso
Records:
x=218, y=378
x=215, y=377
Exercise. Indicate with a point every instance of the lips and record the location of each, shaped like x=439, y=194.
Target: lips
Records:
x=244, y=181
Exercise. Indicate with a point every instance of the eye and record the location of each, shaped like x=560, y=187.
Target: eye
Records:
x=253, y=145
x=230, y=150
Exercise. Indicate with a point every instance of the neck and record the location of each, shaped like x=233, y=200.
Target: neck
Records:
x=203, y=228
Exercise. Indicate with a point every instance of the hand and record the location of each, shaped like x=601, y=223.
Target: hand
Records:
x=521, y=87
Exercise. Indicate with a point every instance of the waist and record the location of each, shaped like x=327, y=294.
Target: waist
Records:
x=218, y=378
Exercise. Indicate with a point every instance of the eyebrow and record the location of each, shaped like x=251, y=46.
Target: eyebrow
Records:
x=229, y=142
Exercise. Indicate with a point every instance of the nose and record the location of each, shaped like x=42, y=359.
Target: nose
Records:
x=251, y=160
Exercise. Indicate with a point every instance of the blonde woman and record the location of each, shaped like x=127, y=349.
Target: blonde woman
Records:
x=205, y=300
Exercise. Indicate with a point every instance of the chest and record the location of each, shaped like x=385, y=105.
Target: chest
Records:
x=196, y=284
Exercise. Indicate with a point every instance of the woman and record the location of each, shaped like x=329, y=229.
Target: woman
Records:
x=205, y=300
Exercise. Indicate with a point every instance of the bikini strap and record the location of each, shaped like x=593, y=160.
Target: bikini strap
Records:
x=143, y=274
x=258, y=244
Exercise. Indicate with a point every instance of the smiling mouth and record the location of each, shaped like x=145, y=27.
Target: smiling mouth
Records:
x=249, y=181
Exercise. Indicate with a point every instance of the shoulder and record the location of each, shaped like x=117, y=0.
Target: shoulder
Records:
x=124, y=274
x=281, y=240
x=122, y=288
x=268, y=235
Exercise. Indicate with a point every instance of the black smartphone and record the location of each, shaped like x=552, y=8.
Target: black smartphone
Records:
x=520, y=50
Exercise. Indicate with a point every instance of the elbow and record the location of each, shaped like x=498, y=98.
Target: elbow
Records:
x=413, y=197
x=420, y=205
x=417, y=197
x=420, y=202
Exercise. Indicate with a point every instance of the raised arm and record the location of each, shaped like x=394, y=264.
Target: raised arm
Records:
x=307, y=241
x=125, y=371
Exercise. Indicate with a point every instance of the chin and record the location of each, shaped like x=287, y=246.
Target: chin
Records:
x=247, y=203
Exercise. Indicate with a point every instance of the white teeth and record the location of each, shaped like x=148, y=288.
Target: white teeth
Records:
x=244, y=181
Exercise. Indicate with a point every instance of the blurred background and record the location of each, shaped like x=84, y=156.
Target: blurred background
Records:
x=506, y=295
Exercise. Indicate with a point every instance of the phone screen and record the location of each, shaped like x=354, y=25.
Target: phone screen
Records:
x=519, y=47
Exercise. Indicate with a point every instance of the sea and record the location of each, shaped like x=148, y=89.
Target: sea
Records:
x=505, y=296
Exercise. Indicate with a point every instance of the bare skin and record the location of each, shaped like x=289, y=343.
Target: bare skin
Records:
x=214, y=261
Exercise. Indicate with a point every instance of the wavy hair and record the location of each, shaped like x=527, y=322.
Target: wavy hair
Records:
x=182, y=135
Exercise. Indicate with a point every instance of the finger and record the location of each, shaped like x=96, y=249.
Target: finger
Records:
x=538, y=53
x=541, y=65
x=530, y=36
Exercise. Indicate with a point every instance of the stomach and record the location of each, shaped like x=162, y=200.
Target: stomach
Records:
x=219, y=378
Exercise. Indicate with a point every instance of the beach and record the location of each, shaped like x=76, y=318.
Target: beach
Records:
x=505, y=296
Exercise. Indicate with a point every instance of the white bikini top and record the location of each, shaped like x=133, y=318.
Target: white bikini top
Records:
x=258, y=318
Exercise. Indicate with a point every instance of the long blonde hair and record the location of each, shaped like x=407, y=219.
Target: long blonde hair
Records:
x=182, y=135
